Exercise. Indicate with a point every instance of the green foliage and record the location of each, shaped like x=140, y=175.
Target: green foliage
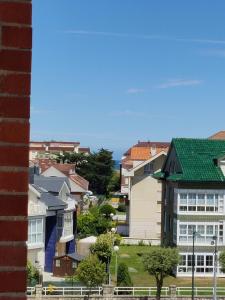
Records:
x=160, y=263
x=79, y=159
x=103, y=247
x=91, y=271
x=114, y=184
x=32, y=274
x=222, y=261
x=92, y=223
x=107, y=209
x=121, y=207
x=123, y=276
x=117, y=239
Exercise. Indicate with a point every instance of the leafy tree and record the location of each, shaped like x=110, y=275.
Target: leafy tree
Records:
x=222, y=261
x=92, y=223
x=114, y=184
x=123, y=276
x=91, y=271
x=107, y=209
x=103, y=247
x=160, y=263
x=96, y=167
x=32, y=274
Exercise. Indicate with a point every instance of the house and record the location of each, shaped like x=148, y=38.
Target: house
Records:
x=138, y=153
x=144, y=194
x=78, y=185
x=42, y=207
x=218, y=135
x=66, y=265
x=193, y=178
x=52, y=220
x=49, y=149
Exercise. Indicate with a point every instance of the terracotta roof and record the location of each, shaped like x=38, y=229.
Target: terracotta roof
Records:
x=218, y=136
x=80, y=181
x=140, y=153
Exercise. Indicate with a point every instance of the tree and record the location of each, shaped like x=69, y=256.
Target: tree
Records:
x=79, y=159
x=107, y=210
x=32, y=274
x=222, y=261
x=92, y=223
x=160, y=263
x=114, y=184
x=123, y=276
x=103, y=249
x=91, y=271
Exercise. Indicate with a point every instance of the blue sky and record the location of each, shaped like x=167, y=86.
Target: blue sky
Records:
x=108, y=73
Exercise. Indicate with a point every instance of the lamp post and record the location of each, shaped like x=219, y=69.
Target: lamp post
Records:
x=116, y=249
x=214, y=242
x=113, y=231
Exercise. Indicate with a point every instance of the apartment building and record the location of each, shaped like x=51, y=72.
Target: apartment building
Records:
x=193, y=196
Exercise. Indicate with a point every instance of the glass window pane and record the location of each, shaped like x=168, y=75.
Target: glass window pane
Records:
x=183, y=229
x=209, y=229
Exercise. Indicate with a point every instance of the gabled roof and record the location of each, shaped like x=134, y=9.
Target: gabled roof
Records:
x=218, y=136
x=83, y=183
x=141, y=165
x=51, y=184
x=198, y=160
x=51, y=201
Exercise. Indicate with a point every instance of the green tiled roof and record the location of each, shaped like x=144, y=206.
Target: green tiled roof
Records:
x=197, y=158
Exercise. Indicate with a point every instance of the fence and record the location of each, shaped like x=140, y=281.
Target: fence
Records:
x=52, y=291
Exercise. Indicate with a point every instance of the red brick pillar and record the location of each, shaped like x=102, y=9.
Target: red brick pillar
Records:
x=15, y=69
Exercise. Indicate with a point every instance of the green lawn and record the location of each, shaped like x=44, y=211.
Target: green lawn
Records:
x=131, y=256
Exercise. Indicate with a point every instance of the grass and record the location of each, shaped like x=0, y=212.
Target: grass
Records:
x=131, y=256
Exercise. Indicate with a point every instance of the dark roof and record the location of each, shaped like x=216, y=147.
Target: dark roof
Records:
x=74, y=256
x=50, y=184
x=198, y=160
x=52, y=201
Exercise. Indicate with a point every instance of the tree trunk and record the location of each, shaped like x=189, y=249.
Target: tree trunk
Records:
x=159, y=284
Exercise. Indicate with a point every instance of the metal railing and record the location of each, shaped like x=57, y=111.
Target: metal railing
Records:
x=140, y=291
x=71, y=291
x=31, y=290
x=180, y=291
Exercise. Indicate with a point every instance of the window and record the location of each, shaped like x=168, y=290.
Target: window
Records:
x=148, y=169
x=203, y=263
x=65, y=224
x=200, y=202
x=205, y=233
x=35, y=231
x=74, y=266
x=57, y=263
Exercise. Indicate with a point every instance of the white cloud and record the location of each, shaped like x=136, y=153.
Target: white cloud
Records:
x=179, y=82
x=134, y=91
x=142, y=36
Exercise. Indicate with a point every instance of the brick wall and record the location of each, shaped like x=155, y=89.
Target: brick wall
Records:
x=15, y=68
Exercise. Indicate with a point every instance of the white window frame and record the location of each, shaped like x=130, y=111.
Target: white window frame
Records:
x=204, y=238
x=65, y=224
x=199, y=206
x=35, y=232
x=200, y=266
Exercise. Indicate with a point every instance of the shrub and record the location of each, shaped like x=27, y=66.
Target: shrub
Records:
x=123, y=276
x=141, y=243
x=106, y=210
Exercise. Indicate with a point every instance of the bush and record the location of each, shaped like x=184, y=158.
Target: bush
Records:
x=123, y=276
x=32, y=274
x=107, y=209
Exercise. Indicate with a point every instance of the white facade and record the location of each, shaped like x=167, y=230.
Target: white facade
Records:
x=206, y=211
x=36, y=228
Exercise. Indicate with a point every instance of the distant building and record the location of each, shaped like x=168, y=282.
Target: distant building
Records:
x=218, y=136
x=144, y=194
x=193, y=200
x=49, y=149
x=138, y=153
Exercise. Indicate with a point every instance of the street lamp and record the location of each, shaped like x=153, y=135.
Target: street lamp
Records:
x=116, y=249
x=194, y=234
x=214, y=242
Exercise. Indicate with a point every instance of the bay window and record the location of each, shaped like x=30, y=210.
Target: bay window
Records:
x=35, y=231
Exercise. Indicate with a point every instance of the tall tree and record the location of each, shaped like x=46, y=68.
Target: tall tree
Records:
x=91, y=271
x=160, y=263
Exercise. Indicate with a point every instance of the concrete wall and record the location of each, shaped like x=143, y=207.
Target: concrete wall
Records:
x=145, y=205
